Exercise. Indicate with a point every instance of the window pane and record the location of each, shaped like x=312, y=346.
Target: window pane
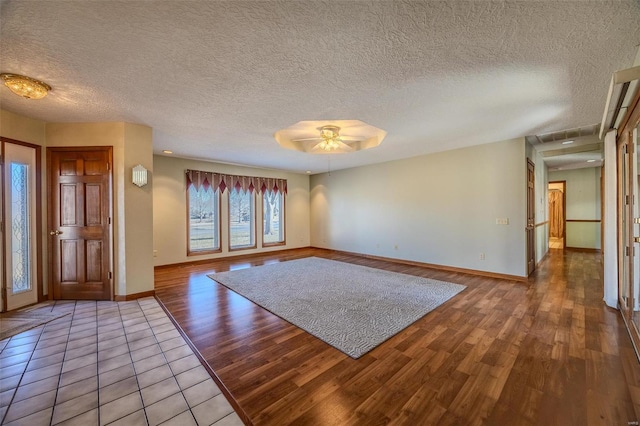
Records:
x=273, y=223
x=20, y=213
x=204, y=223
x=241, y=219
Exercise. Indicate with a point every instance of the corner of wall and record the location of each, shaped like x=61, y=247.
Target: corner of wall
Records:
x=138, y=211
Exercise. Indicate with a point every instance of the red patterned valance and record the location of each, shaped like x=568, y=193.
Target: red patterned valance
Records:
x=221, y=181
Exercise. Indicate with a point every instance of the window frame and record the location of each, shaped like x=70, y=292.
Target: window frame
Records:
x=253, y=215
x=218, y=229
x=283, y=222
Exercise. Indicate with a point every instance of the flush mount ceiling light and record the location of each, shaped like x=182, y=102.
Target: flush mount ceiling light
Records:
x=330, y=137
x=24, y=86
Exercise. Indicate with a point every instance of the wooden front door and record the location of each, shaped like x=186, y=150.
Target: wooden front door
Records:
x=80, y=222
x=531, y=218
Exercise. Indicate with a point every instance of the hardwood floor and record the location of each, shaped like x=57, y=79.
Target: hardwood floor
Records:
x=546, y=352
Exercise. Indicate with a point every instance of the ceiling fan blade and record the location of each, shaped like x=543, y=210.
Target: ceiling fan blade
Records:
x=351, y=138
x=344, y=147
x=306, y=139
x=316, y=147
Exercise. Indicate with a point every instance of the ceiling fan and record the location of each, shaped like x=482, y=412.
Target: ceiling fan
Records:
x=330, y=140
x=323, y=136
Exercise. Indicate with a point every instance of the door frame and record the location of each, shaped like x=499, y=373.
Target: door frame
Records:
x=38, y=211
x=50, y=224
x=564, y=210
x=624, y=137
x=624, y=228
x=530, y=230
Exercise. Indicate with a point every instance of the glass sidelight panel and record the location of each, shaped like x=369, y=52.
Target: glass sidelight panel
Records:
x=20, y=221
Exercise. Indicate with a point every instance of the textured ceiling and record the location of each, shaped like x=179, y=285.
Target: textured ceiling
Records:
x=216, y=79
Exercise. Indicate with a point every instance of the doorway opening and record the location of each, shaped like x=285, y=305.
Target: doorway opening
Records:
x=557, y=215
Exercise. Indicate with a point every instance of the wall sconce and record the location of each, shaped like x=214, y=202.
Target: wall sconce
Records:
x=139, y=176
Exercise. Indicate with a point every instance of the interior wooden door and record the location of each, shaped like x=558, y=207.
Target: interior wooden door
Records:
x=79, y=222
x=531, y=218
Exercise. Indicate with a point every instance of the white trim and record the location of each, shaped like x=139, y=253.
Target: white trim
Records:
x=610, y=217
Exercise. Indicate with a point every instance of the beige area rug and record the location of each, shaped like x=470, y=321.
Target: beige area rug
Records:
x=12, y=323
x=352, y=308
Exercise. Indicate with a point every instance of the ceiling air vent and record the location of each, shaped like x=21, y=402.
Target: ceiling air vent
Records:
x=562, y=135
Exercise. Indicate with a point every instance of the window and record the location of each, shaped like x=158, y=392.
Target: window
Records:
x=242, y=222
x=273, y=221
x=204, y=220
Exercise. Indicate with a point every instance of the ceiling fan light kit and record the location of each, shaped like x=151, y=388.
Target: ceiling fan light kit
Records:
x=330, y=137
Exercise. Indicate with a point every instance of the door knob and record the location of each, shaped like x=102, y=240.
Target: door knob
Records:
x=56, y=232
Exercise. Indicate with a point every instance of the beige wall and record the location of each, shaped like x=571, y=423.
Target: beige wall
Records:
x=138, y=214
x=170, y=210
x=439, y=208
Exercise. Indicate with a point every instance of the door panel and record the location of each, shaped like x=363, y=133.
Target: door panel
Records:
x=80, y=192
x=93, y=195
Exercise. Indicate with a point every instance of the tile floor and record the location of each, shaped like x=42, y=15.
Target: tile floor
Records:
x=107, y=363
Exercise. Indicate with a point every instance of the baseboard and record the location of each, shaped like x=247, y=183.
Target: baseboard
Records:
x=134, y=296
x=238, y=256
x=435, y=266
x=589, y=250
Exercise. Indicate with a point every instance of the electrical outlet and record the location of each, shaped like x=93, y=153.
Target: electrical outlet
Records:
x=481, y=256
x=155, y=253
x=502, y=221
